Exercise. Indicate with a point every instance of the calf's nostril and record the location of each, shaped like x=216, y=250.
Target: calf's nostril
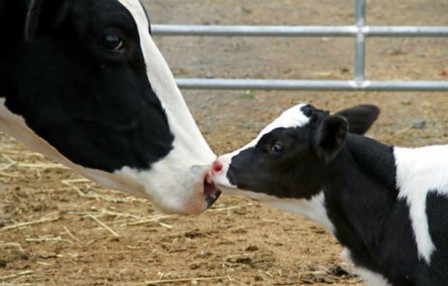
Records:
x=217, y=167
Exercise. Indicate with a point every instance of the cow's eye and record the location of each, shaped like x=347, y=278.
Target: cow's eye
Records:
x=113, y=43
x=277, y=149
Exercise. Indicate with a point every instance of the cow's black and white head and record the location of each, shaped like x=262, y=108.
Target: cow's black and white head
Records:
x=89, y=88
x=289, y=156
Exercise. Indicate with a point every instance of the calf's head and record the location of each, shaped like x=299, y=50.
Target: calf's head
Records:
x=291, y=155
x=92, y=91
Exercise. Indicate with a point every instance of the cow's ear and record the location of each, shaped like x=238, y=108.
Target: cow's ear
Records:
x=330, y=137
x=360, y=117
x=43, y=16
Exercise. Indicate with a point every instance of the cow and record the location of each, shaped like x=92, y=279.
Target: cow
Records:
x=386, y=205
x=84, y=83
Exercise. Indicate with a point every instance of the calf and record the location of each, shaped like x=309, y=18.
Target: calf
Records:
x=83, y=83
x=385, y=204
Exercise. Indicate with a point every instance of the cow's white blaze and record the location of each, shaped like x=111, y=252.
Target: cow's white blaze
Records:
x=171, y=181
x=420, y=171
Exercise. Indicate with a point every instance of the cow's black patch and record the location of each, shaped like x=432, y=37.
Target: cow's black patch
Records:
x=90, y=101
x=12, y=15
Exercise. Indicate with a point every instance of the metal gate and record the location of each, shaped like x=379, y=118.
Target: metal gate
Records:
x=359, y=31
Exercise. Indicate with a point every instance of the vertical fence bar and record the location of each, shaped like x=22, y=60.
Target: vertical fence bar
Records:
x=359, y=31
x=360, y=45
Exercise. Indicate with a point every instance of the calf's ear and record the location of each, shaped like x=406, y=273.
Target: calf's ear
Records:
x=43, y=16
x=360, y=117
x=330, y=137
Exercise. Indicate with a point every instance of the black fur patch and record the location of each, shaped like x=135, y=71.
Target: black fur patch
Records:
x=95, y=106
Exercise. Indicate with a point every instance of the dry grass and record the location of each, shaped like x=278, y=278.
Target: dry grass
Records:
x=54, y=220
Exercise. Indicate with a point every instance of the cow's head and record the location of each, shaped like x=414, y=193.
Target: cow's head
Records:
x=289, y=156
x=94, y=88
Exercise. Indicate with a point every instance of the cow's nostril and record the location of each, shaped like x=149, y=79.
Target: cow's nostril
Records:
x=217, y=167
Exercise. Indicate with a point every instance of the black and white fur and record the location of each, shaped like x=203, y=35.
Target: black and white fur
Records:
x=387, y=205
x=83, y=82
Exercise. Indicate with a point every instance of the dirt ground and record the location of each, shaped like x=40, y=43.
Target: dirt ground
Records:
x=57, y=228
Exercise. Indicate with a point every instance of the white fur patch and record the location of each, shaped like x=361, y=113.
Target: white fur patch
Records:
x=292, y=117
x=372, y=278
x=176, y=180
x=162, y=81
x=420, y=171
x=313, y=209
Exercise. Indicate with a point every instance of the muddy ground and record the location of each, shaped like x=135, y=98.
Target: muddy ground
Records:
x=57, y=228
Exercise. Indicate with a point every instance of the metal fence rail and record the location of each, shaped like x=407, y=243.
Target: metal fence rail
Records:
x=299, y=31
x=359, y=31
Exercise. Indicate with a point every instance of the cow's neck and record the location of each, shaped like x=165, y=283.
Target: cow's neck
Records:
x=360, y=196
x=12, y=23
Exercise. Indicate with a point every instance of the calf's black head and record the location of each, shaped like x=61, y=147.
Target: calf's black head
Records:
x=87, y=86
x=291, y=155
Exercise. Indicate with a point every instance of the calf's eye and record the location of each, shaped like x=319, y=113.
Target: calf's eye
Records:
x=277, y=149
